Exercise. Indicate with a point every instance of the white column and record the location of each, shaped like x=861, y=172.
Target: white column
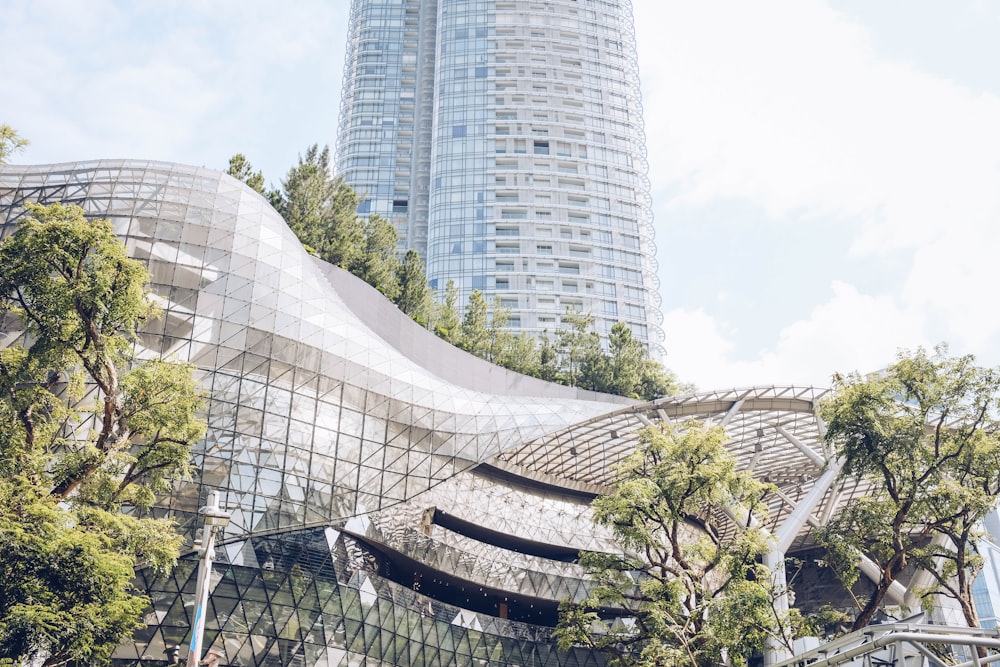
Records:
x=774, y=560
x=782, y=540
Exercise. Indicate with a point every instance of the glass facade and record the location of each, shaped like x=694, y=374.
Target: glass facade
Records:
x=328, y=417
x=524, y=175
x=394, y=500
x=384, y=148
x=986, y=586
x=984, y=602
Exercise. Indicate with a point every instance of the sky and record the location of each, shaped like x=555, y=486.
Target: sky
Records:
x=825, y=173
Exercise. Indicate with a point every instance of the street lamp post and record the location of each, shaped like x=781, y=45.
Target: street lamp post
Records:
x=215, y=519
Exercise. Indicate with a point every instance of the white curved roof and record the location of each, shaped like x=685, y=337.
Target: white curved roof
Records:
x=775, y=432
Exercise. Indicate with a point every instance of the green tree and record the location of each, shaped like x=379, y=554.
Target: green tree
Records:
x=241, y=169
x=377, y=264
x=10, y=142
x=689, y=584
x=626, y=369
x=87, y=431
x=475, y=330
x=447, y=323
x=595, y=370
x=579, y=349
x=501, y=340
x=655, y=381
x=414, y=293
x=548, y=358
x=66, y=589
x=521, y=354
x=625, y=362
x=924, y=433
x=321, y=210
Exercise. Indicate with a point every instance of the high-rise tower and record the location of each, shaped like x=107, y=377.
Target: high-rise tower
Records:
x=504, y=140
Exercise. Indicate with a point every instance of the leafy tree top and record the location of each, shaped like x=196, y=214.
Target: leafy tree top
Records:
x=689, y=585
x=88, y=436
x=240, y=168
x=322, y=211
x=925, y=433
x=10, y=142
x=74, y=288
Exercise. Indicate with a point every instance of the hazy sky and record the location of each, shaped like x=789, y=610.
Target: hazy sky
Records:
x=826, y=175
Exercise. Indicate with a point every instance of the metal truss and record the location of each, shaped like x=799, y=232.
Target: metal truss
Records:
x=909, y=644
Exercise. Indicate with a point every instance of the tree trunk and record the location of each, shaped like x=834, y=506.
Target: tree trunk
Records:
x=889, y=574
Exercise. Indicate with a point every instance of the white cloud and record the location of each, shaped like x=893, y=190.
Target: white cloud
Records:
x=189, y=82
x=852, y=331
x=788, y=106
x=784, y=105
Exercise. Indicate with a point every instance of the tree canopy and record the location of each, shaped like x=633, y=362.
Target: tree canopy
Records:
x=240, y=168
x=625, y=369
x=415, y=296
x=321, y=209
x=89, y=436
x=377, y=263
x=10, y=142
x=475, y=330
x=579, y=349
x=447, y=323
x=322, y=212
x=925, y=432
x=689, y=586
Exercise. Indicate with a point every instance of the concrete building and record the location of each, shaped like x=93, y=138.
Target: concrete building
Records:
x=504, y=139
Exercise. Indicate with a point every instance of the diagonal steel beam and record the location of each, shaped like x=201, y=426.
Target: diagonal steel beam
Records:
x=801, y=446
x=733, y=410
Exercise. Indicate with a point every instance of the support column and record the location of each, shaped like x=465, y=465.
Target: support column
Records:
x=799, y=516
x=774, y=560
x=782, y=540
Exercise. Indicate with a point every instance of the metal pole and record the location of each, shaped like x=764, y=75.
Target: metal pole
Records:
x=201, y=597
x=215, y=519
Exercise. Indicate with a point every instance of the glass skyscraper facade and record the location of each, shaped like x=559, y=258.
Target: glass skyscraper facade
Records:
x=504, y=140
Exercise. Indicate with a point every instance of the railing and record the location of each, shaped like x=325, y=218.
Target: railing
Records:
x=905, y=645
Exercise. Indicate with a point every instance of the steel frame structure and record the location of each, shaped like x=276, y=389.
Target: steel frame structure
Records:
x=904, y=644
x=393, y=498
